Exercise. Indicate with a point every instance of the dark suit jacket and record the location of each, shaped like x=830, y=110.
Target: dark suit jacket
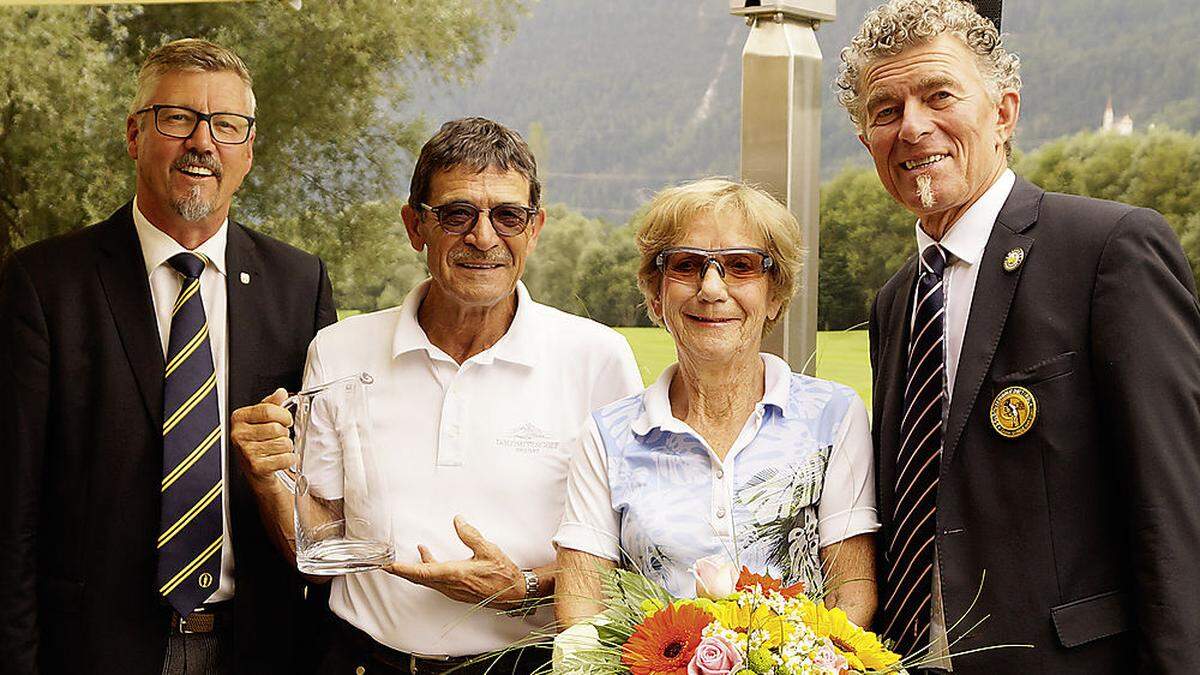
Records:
x=81, y=381
x=1088, y=525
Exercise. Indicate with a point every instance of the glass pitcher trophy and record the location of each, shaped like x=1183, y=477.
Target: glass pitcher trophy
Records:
x=342, y=518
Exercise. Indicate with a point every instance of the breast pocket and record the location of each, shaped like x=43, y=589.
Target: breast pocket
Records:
x=1042, y=371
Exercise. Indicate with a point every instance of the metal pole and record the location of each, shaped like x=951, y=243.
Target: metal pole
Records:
x=781, y=143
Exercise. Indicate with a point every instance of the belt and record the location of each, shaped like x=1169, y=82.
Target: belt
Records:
x=204, y=619
x=420, y=664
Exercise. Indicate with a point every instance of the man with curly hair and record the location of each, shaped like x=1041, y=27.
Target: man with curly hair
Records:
x=1036, y=381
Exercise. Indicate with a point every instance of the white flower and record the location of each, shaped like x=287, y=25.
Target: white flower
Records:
x=716, y=577
x=580, y=637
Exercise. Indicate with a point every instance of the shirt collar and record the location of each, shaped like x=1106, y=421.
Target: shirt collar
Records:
x=656, y=401
x=158, y=246
x=517, y=345
x=969, y=236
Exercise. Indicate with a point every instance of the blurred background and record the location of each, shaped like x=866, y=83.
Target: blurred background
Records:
x=617, y=99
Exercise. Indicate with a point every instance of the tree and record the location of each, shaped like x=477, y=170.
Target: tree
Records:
x=865, y=237
x=329, y=79
x=606, y=281
x=550, y=272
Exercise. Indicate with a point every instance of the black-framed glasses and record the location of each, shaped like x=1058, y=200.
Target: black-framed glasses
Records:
x=177, y=121
x=734, y=265
x=508, y=220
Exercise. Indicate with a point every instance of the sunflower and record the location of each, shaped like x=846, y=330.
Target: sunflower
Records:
x=749, y=579
x=663, y=644
x=862, y=648
x=743, y=619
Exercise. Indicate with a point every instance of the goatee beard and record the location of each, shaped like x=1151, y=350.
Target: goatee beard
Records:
x=192, y=206
x=925, y=191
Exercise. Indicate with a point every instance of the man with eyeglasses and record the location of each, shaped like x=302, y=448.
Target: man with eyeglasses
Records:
x=132, y=542
x=479, y=394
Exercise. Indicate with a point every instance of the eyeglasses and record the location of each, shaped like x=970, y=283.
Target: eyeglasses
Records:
x=509, y=220
x=179, y=122
x=734, y=265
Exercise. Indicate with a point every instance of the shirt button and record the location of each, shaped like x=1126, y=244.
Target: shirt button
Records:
x=720, y=474
x=721, y=512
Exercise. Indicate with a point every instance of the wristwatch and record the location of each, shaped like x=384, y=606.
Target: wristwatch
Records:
x=532, y=585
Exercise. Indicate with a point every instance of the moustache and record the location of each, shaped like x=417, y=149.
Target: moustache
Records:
x=491, y=256
x=193, y=158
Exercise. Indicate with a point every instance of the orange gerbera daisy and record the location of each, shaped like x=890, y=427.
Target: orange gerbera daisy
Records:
x=664, y=643
x=748, y=579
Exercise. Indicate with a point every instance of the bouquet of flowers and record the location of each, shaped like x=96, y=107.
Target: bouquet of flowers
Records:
x=741, y=624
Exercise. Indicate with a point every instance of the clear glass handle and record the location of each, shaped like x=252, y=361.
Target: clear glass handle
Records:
x=291, y=403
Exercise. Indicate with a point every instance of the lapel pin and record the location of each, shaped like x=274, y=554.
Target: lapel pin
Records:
x=1013, y=412
x=1014, y=259
x=245, y=277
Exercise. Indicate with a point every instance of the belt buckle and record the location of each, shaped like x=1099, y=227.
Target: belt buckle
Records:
x=183, y=629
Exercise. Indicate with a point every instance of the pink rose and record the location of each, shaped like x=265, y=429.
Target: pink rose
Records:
x=714, y=656
x=716, y=577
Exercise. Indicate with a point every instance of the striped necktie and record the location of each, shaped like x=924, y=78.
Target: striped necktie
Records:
x=189, y=543
x=910, y=552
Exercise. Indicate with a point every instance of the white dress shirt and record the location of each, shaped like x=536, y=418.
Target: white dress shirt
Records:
x=157, y=248
x=964, y=244
x=488, y=439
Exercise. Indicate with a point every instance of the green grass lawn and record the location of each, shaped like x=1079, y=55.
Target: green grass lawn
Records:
x=841, y=356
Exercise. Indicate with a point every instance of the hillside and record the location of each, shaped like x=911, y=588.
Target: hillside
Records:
x=621, y=97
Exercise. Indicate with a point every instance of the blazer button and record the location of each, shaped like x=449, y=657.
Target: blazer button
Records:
x=360, y=670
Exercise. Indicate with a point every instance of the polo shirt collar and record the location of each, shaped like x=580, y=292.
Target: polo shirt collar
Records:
x=519, y=344
x=656, y=401
x=158, y=247
x=969, y=236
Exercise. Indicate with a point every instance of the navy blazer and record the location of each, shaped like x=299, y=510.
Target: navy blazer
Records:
x=1081, y=537
x=81, y=378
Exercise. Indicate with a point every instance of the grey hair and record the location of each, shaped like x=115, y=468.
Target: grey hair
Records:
x=897, y=25
x=189, y=55
x=478, y=144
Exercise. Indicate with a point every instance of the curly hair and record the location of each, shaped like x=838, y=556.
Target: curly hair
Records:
x=897, y=25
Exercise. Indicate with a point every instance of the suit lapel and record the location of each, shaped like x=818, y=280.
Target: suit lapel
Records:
x=893, y=369
x=247, y=302
x=122, y=271
x=993, y=295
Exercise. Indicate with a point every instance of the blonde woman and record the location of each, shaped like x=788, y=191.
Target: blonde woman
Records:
x=729, y=452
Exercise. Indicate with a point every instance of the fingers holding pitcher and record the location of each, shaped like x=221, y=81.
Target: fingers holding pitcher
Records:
x=260, y=433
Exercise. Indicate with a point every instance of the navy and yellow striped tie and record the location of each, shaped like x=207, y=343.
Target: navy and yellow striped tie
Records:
x=189, y=540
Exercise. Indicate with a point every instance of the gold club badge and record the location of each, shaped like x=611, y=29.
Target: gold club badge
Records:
x=1013, y=412
x=1014, y=259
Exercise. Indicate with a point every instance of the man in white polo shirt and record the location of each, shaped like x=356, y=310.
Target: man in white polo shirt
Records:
x=479, y=394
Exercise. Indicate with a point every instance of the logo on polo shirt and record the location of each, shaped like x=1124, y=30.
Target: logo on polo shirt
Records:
x=527, y=438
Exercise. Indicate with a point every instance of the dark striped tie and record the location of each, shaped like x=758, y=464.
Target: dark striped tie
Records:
x=910, y=551
x=189, y=541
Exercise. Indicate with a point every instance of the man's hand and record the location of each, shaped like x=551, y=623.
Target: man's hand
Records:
x=489, y=575
x=260, y=433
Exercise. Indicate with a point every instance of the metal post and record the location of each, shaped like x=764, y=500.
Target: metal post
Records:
x=781, y=142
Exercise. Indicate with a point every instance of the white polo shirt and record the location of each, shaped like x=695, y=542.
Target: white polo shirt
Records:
x=488, y=440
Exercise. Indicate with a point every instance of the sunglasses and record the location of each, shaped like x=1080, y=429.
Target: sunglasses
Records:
x=508, y=220
x=733, y=264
